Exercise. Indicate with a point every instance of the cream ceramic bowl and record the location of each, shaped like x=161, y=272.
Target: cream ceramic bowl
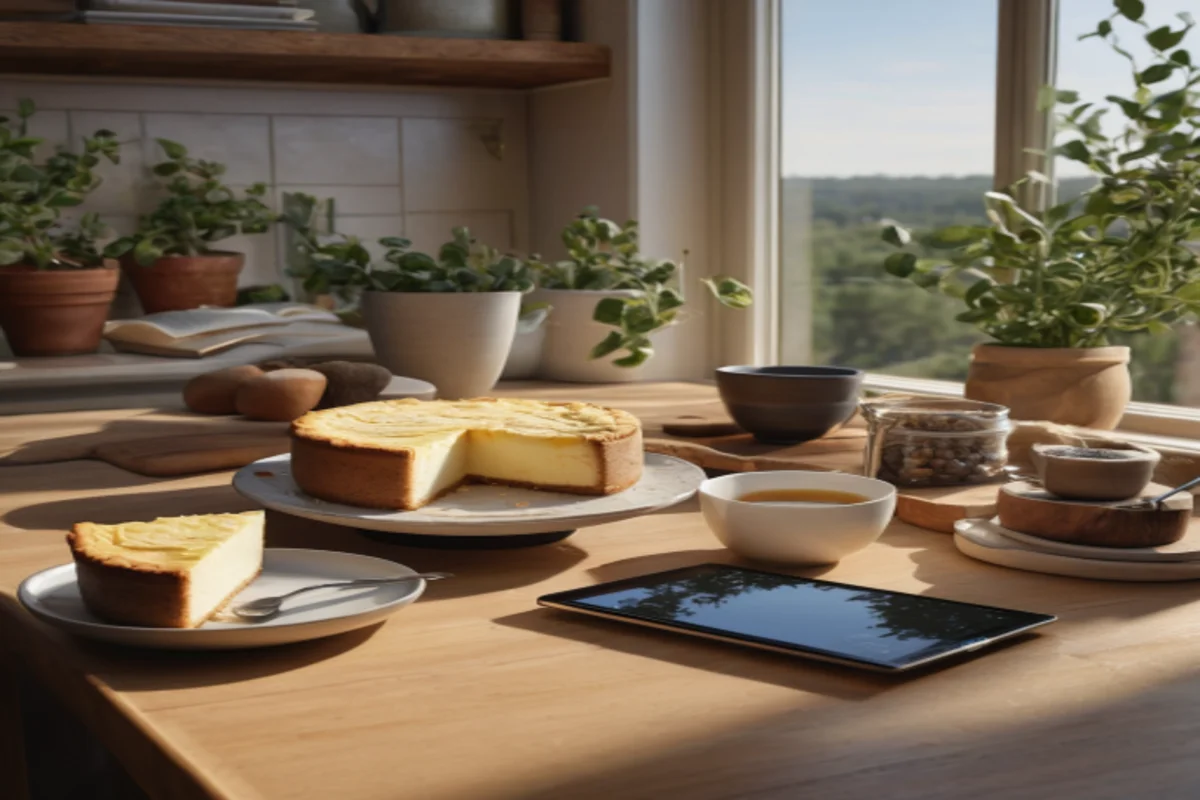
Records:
x=796, y=533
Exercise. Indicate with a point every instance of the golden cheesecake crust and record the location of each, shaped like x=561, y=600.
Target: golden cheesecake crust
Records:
x=364, y=455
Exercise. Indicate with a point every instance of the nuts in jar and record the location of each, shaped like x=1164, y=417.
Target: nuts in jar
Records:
x=928, y=442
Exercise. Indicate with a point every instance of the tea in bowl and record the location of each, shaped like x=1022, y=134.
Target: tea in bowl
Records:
x=796, y=517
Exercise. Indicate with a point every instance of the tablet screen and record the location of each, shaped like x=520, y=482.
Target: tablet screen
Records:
x=874, y=626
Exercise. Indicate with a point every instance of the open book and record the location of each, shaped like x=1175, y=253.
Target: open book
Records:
x=202, y=331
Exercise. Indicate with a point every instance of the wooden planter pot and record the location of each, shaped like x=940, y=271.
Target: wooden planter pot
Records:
x=55, y=312
x=1086, y=386
x=177, y=283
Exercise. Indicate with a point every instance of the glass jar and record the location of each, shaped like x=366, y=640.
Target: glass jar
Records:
x=931, y=442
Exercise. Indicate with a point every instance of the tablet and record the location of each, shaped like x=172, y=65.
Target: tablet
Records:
x=853, y=625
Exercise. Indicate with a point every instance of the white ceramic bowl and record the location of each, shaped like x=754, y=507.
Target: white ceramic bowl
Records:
x=796, y=533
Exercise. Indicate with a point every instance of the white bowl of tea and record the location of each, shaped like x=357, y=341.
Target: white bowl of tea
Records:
x=794, y=517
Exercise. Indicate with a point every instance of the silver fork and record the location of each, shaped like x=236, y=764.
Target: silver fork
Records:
x=265, y=608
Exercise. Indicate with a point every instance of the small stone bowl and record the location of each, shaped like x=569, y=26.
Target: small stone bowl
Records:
x=1094, y=473
x=787, y=405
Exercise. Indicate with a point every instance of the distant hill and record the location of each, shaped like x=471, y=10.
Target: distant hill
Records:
x=918, y=201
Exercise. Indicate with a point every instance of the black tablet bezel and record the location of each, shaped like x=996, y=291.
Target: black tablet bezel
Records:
x=571, y=601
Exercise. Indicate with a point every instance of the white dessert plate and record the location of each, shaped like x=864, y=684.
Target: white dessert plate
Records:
x=52, y=596
x=479, y=510
x=986, y=540
x=1186, y=549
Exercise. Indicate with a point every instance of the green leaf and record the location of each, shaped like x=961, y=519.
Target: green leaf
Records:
x=1164, y=38
x=894, y=234
x=25, y=108
x=1076, y=151
x=165, y=169
x=1189, y=293
x=609, y=310
x=1182, y=57
x=978, y=290
x=955, y=236
x=1156, y=73
x=730, y=292
x=1088, y=315
x=637, y=318
x=1130, y=108
x=146, y=253
x=669, y=299
x=1130, y=9
x=611, y=344
x=10, y=254
x=173, y=150
x=1103, y=28
x=636, y=357
x=900, y=264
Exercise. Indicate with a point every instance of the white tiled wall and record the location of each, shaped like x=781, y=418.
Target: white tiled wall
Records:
x=402, y=163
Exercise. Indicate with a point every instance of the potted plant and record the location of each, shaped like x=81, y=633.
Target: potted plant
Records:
x=611, y=301
x=169, y=259
x=449, y=319
x=1052, y=288
x=55, y=284
x=525, y=358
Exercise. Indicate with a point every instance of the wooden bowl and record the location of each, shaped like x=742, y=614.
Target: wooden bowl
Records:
x=1026, y=508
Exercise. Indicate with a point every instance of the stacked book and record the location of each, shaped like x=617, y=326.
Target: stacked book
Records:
x=277, y=15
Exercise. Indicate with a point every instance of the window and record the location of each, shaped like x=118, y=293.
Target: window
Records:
x=887, y=112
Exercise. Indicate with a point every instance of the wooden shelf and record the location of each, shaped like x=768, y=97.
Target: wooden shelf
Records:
x=164, y=52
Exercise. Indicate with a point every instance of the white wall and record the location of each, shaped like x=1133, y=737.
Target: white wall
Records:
x=397, y=162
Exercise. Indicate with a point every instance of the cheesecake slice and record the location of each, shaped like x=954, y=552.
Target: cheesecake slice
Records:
x=174, y=572
x=402, y=454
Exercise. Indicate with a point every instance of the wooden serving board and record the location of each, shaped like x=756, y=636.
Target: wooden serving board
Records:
x=937, y=508
x=189, y=455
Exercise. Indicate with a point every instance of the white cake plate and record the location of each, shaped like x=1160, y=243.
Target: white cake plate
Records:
x=986, y=540
x=479, y=515
x=52, y=596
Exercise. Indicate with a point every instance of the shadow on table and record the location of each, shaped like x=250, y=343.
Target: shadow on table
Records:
x=135, y=670
x=476, y=571
x=111, y=509
x=954, y=576
x=695, y=653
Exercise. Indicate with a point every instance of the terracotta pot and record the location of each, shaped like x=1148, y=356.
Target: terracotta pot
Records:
x=177, y=283
x=59, y=312
x=1086, y=386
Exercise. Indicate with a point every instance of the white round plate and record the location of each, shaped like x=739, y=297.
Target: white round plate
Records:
x=985, y=540
x=1186, y=549
x=52, y=596
x=401, y=387
x=479, y=509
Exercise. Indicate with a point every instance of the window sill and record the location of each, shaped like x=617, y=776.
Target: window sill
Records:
x=1150, y=424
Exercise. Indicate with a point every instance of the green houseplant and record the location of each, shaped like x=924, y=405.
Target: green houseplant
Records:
x=610, y=301
x=1053, y=287
x=448, y=318
x=169, y=258
x=55, y=285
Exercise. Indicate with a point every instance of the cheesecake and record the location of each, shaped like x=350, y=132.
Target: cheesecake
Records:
x=403, y=454
x=174, y=572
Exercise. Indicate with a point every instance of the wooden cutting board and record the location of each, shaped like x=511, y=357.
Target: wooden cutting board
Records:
x=937, y=508
x=189, y=455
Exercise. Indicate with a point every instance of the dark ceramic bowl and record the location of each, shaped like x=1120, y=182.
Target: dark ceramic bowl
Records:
x=786, y=405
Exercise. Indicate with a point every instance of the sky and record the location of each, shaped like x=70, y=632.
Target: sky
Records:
x=907, y=87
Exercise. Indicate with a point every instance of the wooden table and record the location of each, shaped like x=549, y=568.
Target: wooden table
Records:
x=475, y=693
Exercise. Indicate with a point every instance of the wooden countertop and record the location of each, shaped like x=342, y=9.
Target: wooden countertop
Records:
x=473, y=692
